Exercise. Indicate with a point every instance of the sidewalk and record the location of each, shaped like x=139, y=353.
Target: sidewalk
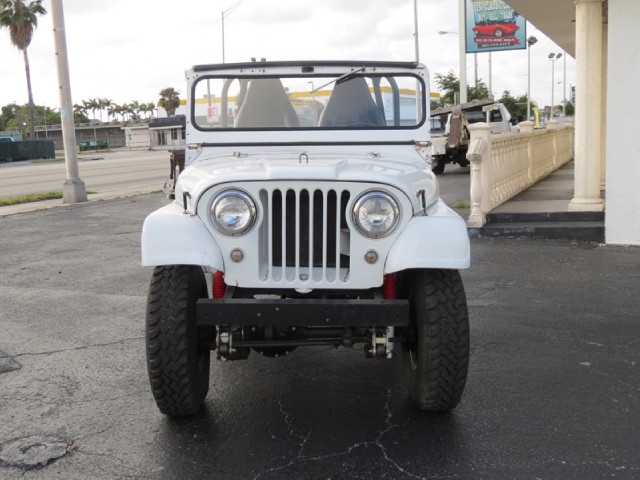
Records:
x=92, y=197
x=542, y=211
x=539, y=212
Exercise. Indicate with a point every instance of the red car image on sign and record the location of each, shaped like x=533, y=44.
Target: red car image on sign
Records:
x=496, y=30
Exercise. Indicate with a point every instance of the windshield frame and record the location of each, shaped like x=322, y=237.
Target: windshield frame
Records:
x=323, y=77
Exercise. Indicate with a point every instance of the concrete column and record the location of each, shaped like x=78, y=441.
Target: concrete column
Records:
x=570, y=124
x=589, y=118
x=552, y=126
x=528, y=128
x=480, y=187
x=605, y=68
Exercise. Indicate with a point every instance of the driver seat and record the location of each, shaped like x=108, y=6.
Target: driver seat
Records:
x=351, y=105
x=266, y=105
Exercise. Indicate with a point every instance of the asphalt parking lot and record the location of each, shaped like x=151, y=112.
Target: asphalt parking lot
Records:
x=553, y=388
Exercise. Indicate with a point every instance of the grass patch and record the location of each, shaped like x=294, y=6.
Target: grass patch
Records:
x=31, y=197
x=48, y=160
x=461, y=205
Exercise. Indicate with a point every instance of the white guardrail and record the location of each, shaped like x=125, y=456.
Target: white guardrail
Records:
x=506, y=164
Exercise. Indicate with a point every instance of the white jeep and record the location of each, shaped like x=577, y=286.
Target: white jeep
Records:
x=309, y=206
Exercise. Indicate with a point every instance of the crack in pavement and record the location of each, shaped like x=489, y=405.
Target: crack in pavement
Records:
x=299, y=458
x=83, y=347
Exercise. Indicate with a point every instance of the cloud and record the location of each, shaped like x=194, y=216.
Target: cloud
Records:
x=127, y=50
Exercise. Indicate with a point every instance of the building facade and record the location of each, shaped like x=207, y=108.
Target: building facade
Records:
x=602, y=37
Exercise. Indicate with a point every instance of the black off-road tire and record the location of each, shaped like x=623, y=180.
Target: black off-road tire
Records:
x=178, y=356
x=435, y=349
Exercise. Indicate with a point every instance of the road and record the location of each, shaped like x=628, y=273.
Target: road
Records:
x=105, y=173
x=122, y=173
x=552, y=390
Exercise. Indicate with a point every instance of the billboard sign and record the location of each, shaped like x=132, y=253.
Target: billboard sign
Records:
x=492, y=25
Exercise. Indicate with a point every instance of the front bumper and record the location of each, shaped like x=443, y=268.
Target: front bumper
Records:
x=239, y=312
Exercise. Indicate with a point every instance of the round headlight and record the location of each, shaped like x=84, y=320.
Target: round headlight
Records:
x=233, y=212
x=376, y=214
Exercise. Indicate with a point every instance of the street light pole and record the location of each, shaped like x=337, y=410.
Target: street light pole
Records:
x=475, y=69
x=223, y=37
x=463, y=52
x=531, y=41
x=228, y=12
x=553, y=57
x=564, y=85
x=73, y=190
x=415, y=29
x=490, y=75
x=463, y=66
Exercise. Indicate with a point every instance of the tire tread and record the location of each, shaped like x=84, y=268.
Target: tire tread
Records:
x=176, y=385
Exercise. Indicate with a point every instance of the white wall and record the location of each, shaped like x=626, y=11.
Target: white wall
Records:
x=137, y=137
x=622, y=213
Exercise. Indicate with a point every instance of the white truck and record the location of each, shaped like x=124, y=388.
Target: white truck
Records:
x=451, y=145
x=287, y=233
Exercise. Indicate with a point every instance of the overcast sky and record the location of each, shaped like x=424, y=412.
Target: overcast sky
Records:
x=128, y=50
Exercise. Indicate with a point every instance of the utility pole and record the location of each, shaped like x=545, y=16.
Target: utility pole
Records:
x=475, y=69
x=463, y=52
x=554, y=58
x=415, y=29
x=227, y=12
x=73, y=190
x=490, y=75
x=564, y=85
x=531, y=41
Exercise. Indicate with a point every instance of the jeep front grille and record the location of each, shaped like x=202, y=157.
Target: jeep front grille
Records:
x=306, y=234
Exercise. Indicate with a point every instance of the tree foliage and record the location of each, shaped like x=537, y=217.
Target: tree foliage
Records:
x=517, y=106
x=16, y=118
x=127, y=111
x=21, y=19
x=169, y=100
x=450, y=85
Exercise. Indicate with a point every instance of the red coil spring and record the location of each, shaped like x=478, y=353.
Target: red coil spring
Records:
x=389, y=287
x=218, y=287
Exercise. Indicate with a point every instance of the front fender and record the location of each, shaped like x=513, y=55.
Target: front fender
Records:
x=437, y=240
x=171, y=237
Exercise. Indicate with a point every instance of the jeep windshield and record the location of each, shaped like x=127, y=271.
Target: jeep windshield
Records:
x=315, y=99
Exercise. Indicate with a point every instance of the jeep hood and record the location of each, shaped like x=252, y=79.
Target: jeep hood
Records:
x=406, y=173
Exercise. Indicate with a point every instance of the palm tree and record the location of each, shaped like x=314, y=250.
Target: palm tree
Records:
x=79, y=114
x=105, y=104
x=88, y=106
x=113, y=110
x=134, y=108
x=149, y=109
x=21, y=19
x=169, y=100
x=94, y=104
x=127, y=112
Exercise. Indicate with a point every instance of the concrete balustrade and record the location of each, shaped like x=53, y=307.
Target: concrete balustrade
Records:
x=506, y=164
